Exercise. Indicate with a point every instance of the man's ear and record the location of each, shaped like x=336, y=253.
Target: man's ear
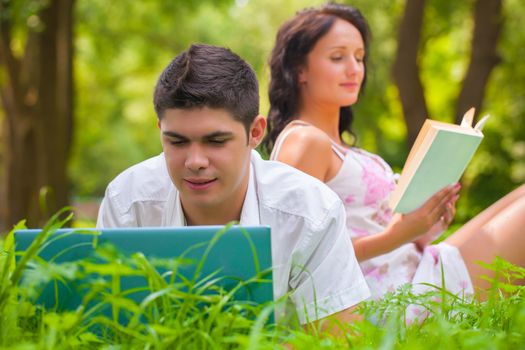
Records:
x=158, y=124
x=257, y=131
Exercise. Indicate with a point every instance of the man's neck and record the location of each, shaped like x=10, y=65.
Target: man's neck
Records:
x=210, y=217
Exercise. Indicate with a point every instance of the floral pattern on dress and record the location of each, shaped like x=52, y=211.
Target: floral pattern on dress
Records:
x=383, y=215
x=411, y=262
x=364, y=184
x=378, y=272
x=349, y=199
x=359, y=232
x=378, y=187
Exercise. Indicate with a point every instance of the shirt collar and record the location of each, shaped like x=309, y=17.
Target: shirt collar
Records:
x=250, y=208
x=173, y=214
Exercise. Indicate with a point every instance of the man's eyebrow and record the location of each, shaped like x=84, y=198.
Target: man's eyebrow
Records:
x=173, y=134
x=219, y=134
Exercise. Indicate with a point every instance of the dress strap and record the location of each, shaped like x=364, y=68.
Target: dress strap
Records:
x=293, y=125
x=338, y=150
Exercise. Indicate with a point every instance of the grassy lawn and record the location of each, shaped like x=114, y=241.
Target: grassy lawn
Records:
x=203, y=316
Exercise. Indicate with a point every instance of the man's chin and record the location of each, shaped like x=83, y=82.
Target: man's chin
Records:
x=206, y=201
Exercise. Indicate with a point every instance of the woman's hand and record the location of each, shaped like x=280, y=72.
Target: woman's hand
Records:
x=439, y=227
x=431, y=219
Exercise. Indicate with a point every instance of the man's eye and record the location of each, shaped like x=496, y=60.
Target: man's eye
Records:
x=177, y=142
x=217, y=141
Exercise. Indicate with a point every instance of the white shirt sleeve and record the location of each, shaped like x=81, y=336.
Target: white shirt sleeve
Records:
x=111, y=214
x=325, y=276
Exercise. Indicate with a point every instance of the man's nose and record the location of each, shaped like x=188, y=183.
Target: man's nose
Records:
x=196, y=158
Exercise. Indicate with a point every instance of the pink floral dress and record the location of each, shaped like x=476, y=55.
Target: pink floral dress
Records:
x=364, y=184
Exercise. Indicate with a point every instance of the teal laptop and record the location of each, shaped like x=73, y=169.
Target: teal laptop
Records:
x=218, y=259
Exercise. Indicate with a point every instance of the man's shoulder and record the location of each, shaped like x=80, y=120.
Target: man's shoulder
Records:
x=290, y=191
x=147, y=180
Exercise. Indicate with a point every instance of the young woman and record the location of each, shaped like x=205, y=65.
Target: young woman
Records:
x=318, y=68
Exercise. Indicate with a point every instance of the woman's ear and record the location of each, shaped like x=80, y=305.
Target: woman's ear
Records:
x=257, y=129
x=301, y=75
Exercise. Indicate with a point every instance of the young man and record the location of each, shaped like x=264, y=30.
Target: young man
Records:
x=207, y=103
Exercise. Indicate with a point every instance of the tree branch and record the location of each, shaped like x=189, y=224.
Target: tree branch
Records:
x=483, y=57
x=406, y=69
x=7, y=58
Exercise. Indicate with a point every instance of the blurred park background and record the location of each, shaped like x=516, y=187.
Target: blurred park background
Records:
x=76, y=83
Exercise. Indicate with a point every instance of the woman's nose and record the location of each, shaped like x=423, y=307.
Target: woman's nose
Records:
x=353, y=66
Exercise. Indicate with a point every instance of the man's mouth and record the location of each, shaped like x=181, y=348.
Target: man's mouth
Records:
x=199, y=183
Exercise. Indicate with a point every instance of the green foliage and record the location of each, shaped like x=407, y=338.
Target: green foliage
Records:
x=119, y=55
x=121, y=47
x=182, y=314
x=191, y=318
x=500, y=164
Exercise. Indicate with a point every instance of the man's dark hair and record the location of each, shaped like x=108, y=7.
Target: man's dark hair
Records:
x=209, y=76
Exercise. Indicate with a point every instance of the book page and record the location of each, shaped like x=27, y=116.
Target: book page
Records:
x=468, y=118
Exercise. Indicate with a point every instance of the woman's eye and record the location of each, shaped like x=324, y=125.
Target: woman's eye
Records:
x=336, y=58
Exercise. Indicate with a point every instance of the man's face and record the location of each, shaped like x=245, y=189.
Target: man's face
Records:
x=208, y=156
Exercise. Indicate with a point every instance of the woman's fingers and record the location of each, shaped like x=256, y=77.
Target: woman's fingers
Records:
x=439, y=211
x=436, y=206
x=449, y=214
x=442, y=196
x=450, y=211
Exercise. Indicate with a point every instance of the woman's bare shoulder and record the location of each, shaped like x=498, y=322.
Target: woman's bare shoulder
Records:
x=309, y=139
x=308, y=149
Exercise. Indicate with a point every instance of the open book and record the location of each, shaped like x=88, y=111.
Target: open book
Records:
x=438, y=158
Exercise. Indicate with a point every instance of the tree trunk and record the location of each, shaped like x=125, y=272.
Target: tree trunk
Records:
x=38, y=102
x=406, y=69
x=483, y=57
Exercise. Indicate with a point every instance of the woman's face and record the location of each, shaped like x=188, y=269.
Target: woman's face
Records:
x=334, y=69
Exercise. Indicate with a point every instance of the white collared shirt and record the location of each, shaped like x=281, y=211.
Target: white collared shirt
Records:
x=311, y=249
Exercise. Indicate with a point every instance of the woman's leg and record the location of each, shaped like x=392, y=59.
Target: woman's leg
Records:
x=472, y=227
x=497, y=231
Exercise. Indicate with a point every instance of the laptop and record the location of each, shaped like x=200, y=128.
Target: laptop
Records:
x=233, y=258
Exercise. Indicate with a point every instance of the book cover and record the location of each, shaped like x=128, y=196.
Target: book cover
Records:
x=438, y=158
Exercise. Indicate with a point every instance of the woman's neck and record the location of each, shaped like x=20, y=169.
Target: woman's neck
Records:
x=322, y=117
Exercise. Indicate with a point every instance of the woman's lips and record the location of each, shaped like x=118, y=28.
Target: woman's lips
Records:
x=199, y=184
x=350, y=86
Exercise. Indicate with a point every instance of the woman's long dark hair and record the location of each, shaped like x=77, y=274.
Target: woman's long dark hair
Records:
x=295, y=39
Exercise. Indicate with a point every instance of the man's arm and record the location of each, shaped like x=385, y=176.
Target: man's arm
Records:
x=336, y=324
x=330, y=281
x=111, y=215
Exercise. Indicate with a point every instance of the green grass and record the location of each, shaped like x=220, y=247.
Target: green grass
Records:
x=185, y=315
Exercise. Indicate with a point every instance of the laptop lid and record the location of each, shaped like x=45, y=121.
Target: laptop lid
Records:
x=190, y=257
